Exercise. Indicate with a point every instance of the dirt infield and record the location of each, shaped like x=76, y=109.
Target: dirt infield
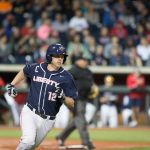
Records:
x=10, y=144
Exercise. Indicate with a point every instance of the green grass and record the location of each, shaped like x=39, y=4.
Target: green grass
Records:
x=112, y=135
x=142, y=148
x=132, y=135
x=9, y=133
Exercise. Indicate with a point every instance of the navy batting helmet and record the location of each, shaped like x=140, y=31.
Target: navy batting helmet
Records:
x=55, y=49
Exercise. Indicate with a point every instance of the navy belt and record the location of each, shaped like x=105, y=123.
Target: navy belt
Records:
x=39, y=114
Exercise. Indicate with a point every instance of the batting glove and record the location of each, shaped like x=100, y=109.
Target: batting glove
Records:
x=11, y=90
x=60, y=94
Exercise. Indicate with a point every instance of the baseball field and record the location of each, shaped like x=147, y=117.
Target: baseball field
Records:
x=103, y=138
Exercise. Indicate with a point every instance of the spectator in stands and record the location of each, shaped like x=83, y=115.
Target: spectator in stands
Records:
x=134, y=59
x=91, y=45
x=39, y=54
x=15, y=39
x=104, y=37
x=98, y=57
x=143, y=50
x=8, y=23
x=136, y=83
x=120, y=31
x=5, y=50
x=138, y=33
x=147, y=31
x=66, y=8
x=76, y=48
x=28, y=28
x=120, y=7
x=115, y=57
x=128, y=19
x=25, y=49
x=76, y=5
x=113, y=44
x=19, y=8
x=109, y=17
x=93, y=18
x=60, y=24
x=86, y=36
x=78, y=22
x=43, y=16
x=142, y=11
x=45, y=32
x=5, y=7
x=99, y=4
x=118, y=58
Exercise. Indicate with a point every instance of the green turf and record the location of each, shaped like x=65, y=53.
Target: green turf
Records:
x=135, y=135
x=9, y=133
x=142, y=148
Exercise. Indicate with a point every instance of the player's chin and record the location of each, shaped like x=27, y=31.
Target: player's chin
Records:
x=59, y=64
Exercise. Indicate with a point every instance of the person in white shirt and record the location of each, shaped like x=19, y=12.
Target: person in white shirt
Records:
x=143, y=50
x=78, y=22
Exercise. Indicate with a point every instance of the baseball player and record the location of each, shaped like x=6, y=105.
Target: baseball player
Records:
x=127, y=113
x=108, y=101
x=50, y=86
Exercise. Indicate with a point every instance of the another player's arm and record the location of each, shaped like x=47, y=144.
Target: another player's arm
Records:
x=103, y=99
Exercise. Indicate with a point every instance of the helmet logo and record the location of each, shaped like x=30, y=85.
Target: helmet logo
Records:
x=61, y=48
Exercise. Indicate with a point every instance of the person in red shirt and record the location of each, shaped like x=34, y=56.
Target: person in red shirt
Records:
x=119, y=30
x=4, y=107
x=136, y=83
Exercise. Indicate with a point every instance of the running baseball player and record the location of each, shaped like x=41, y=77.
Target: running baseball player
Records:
x=50, y=86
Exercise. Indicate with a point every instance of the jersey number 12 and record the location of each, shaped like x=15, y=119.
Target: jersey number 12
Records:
x=52, y=96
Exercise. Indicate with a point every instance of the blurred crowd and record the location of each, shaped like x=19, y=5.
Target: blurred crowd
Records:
x=107, y=32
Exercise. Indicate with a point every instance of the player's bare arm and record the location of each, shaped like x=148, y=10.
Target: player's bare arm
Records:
x=69, y=102
x=11, y=86
x=19, y=77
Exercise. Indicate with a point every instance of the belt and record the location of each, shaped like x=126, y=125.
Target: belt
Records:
x=39, y=114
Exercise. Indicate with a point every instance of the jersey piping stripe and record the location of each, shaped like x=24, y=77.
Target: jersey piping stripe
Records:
x=41, y=89
x=45, y=94
x=45, y=90
x=46, y=87
x=62, y=71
